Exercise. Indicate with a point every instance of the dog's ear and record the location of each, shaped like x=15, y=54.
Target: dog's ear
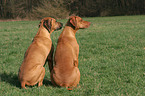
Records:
x=73, y=21
x=48, y=24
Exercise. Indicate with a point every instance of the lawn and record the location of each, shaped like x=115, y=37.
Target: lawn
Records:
x=111, y=58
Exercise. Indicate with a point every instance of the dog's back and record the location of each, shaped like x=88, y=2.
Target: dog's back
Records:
x=32, y=70
x=65, y=72
x=34, y=60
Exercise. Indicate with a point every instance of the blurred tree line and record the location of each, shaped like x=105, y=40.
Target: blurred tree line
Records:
x=35, y=9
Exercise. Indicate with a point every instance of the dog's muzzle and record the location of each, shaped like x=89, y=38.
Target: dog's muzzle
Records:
x=60, y=26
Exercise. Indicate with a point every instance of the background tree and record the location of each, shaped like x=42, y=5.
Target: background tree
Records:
x=35, y=9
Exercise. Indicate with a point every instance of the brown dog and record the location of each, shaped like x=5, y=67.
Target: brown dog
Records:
x=32, y=71
x=65, y=73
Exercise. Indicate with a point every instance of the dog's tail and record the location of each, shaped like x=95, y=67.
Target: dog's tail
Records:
x=69, y=88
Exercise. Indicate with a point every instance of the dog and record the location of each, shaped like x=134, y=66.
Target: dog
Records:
x=31, y=70
x=65, y=72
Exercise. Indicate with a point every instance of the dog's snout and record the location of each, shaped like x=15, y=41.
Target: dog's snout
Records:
x=61, y=24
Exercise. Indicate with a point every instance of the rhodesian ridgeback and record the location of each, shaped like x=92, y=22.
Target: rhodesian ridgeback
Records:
x=65, y=72
x=31, y=70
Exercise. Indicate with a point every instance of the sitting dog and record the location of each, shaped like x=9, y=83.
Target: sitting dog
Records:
x=31, y=70
x=65, y=72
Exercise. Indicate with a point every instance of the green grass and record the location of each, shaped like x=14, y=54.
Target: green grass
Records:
x=111, y=58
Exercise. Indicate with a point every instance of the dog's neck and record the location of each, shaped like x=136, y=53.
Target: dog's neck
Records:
x=43, y=32
x=69, y=30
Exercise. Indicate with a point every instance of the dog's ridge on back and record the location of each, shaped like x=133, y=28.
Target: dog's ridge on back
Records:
x=65, y=72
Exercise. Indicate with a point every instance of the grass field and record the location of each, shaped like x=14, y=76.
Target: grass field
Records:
x=111, y=58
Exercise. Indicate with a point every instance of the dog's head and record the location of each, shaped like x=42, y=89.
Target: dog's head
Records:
x=50, y=24
x=78, y=22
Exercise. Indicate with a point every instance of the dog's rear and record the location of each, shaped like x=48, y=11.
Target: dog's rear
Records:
x=32, y=71
x=66, y=73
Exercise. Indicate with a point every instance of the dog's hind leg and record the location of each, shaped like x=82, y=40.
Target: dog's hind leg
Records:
x=76, y=82
x=23, y=84
x=40, y=83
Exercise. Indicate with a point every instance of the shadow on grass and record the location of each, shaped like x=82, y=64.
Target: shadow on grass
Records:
x=13, y=80
x=47, y=82
x=10, y=78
